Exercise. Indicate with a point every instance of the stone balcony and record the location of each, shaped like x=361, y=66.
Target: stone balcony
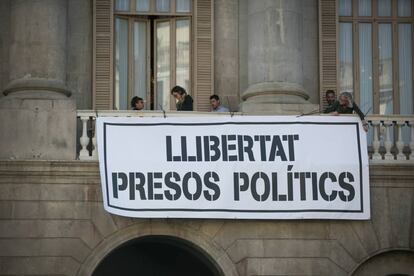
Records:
x=390, y=138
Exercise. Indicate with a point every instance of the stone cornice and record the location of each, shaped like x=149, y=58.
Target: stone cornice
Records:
x=392, y=175
x=381, y=175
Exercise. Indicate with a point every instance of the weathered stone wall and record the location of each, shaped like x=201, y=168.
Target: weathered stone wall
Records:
x=79, y=54
x=4, y=43
x=311, y=50
x=278, y=56
x=231, y=50
x=52, y=222
x=46, y=73
x=226, y=52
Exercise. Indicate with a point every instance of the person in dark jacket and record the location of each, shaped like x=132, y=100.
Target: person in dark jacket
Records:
x=184, y=101
x=137, y=103
x=345, y=105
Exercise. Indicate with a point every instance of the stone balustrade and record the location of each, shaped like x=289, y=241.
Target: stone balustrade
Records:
x=390, y=138
x=86, y=119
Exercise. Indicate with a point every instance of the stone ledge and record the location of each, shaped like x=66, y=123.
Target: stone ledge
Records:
x=381, y=175
x=49, y=165
x=393, y=173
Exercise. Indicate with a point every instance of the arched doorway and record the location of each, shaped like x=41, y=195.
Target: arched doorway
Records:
x=157, y=256
x=389, y=263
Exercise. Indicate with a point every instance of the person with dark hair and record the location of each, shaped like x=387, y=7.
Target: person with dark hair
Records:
x=184, y=102
x=137, y=103
x=330, y=99
x=216, y=105
x=345, y=105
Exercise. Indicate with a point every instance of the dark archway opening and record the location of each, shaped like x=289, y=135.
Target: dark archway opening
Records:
x=157, y=256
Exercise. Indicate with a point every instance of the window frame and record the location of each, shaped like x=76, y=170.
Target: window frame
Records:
x=375, y=20
x=172, y=17
x=202, y=39
x=130, y=77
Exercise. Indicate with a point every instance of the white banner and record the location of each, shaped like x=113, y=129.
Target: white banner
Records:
x=245, y=167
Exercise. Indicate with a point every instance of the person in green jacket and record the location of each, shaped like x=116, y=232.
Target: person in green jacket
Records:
x=345, y=105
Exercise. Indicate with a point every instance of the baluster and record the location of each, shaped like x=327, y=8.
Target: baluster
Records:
x=411, y=125
x=387, y=142
x=400, y=143
x=94, y=148
x=376, y=142
x=84, y=139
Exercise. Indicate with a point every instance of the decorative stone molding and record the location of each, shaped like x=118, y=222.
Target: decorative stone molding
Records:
x=38, y=84
x=169, y=228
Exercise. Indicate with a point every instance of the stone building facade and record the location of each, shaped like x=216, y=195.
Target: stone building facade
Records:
x=58, y=57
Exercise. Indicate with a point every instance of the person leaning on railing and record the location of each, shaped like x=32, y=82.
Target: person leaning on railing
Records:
x=184, y=101
x=345, y=105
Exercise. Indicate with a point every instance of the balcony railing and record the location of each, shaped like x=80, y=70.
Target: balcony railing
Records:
x=390, y=138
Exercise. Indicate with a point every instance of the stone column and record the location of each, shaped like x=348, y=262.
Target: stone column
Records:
x=38, y=116
x=226, y=54
x=275, y=58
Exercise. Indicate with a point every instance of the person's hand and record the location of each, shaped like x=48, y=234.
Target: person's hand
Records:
x=365, y=125
x=335, y=113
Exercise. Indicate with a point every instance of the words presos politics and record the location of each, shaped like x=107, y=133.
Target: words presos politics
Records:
x=260, y=186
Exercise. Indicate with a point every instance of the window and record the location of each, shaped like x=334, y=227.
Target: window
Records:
x=152, y=51
x=375, y=59
x=138, y=23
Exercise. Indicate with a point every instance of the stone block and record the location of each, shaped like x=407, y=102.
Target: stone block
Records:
x=291, y=266
x=289, y=248
x=211, y=227
x=401, y=216
x=380, y=216
x=224, y=262
x=344, y=234
x=49, y=192
x=44, y=210
x=123, y=222
x=44, y=247
x=194, y=224
x=254, y=229
x=38, y=266
x=102, y=220
x=37, y=128
x=82, y=229
x=367, y=235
